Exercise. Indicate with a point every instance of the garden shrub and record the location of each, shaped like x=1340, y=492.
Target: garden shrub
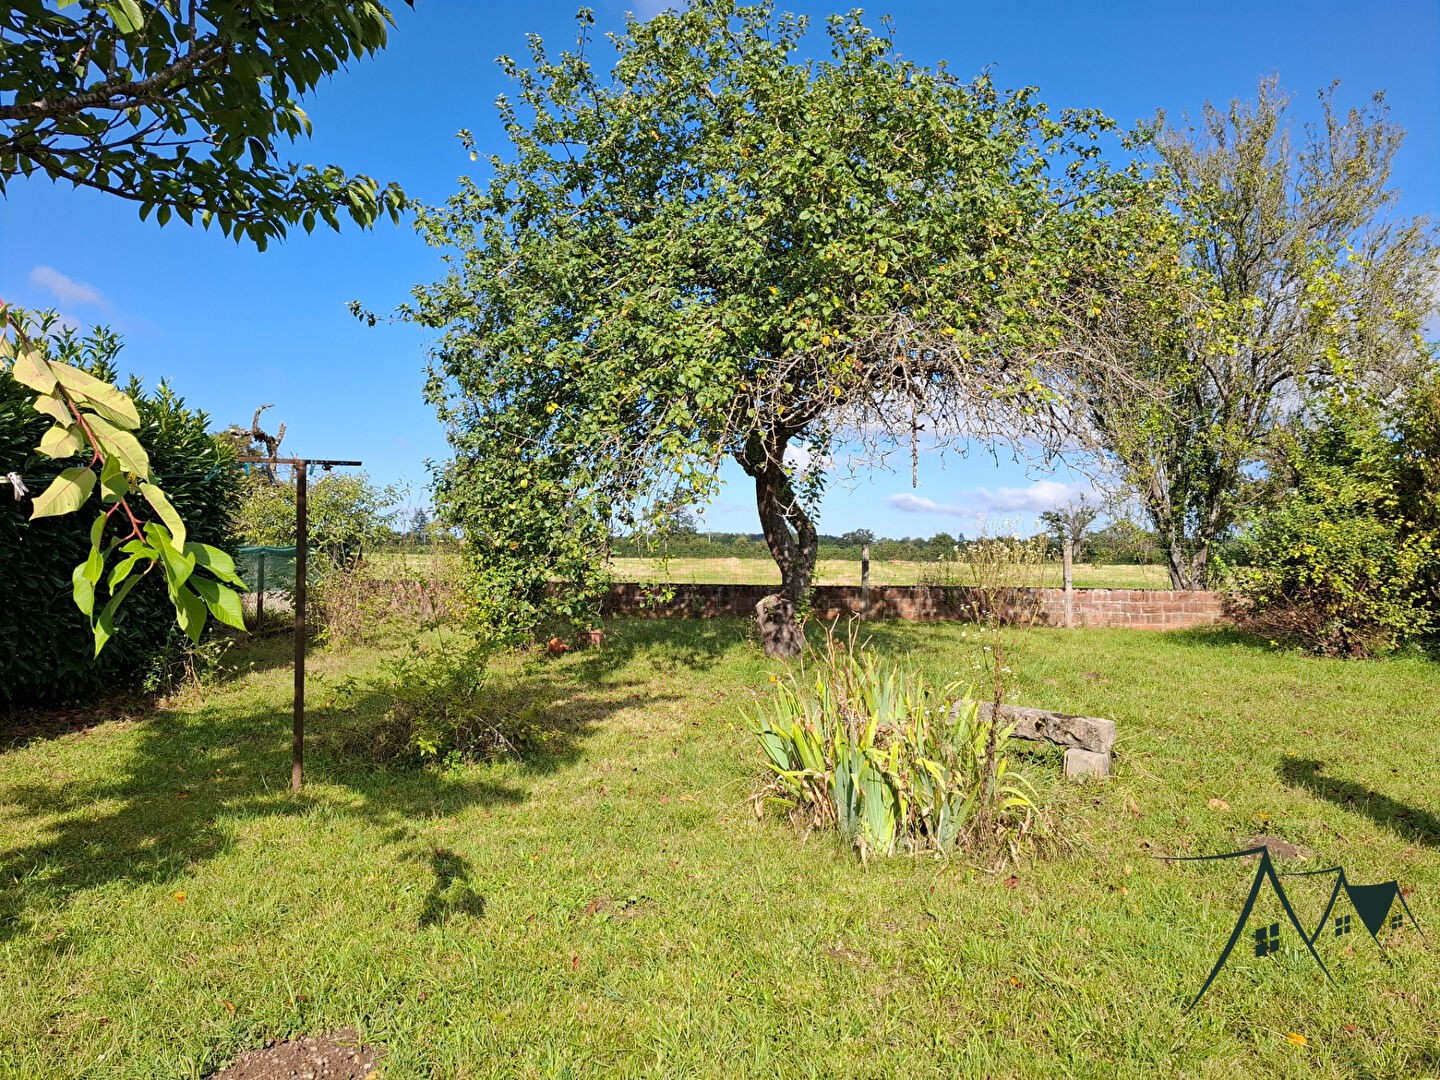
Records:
x=1337, y=564
x=46, y=646
x=436, y=704
x=892, y=761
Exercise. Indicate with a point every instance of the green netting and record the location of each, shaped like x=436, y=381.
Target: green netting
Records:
x=270, y=567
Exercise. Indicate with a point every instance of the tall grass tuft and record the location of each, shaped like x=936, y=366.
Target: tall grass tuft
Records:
x=894, y=762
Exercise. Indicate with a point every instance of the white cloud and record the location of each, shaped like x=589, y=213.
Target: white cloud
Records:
x=802, y=459
x=914, y=504
x=67, y=290
x=1039, y=496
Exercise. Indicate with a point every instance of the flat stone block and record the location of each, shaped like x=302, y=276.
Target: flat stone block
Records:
x=1080, y=732
x=1083, y=763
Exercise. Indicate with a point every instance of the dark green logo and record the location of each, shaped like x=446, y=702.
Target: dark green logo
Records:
x=1372, y=903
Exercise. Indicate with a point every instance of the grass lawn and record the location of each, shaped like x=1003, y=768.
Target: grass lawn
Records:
x=614, y=909
x=734, y=571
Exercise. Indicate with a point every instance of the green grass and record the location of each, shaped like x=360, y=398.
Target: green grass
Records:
x=735, y=571
x=615, y=909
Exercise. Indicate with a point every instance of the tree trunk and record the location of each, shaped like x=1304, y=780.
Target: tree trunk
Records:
x=1189, y=568
x=792, y=539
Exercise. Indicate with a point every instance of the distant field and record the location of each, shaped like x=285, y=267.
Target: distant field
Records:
x=734, y=571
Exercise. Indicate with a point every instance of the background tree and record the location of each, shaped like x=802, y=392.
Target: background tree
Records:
x=417, y=529
x=857, y=538
x=1292, y=272
x=725, y=253
x=347, y=512
x=179, y=105
x=1071, y=522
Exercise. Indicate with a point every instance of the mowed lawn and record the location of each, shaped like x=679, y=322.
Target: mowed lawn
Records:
x=735, y=571
x=614, y=908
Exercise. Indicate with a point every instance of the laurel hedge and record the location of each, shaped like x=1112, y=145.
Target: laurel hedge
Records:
x=46, y=647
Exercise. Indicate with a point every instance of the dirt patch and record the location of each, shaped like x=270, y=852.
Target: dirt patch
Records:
x=1279, y=849
x=628, y=907
x=336, y=1056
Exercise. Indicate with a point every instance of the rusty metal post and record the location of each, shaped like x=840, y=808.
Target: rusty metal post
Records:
x=1069, y=579
x=302, y=546
x=302, y=551
x=865, y=581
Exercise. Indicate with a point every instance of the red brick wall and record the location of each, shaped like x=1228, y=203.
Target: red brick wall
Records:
x=1139, y=609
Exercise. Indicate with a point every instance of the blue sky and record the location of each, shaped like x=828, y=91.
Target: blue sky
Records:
x=233, y=328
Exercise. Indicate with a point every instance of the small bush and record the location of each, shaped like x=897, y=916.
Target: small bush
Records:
x=1332, y=577
x=435, y=705
x=1337, y=563
x=892, y=761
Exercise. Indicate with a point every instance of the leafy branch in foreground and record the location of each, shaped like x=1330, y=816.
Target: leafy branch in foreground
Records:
x=183, y=109
x=93, y=417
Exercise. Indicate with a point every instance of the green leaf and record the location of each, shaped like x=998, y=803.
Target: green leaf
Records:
x=98, y=395
x=223, y=603
x=84, y=577
x=60, y=442
x=117, y=442
x=122, y=569
x=113, y=485
x=104, y=627
x=53, y=406
x=216, y=561
x=177, y=566
x=161, y=504
x=66, y=493
x=126, y=15
x=189, y=613
x=32, y=370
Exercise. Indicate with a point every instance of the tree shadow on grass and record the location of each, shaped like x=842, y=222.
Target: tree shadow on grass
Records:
x=1409, y=822
x=451, y=894
x=157, y=799
x=667, y=644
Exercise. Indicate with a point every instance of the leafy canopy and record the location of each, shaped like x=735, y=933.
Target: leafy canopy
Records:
x=723, y=251
x=178, y=105
x=345, y=512
x=1276, y=270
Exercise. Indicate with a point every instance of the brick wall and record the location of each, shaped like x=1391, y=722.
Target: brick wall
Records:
x=1139, y=609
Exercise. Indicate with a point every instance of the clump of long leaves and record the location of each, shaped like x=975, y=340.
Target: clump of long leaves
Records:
x=891, y=760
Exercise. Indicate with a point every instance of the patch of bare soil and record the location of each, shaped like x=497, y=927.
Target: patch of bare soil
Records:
x=1279, y=849
x=336, y=1056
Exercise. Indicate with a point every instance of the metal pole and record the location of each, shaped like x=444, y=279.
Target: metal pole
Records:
x=1069, y=583
x=260, y=593
x=302, y=546
x=864, y=580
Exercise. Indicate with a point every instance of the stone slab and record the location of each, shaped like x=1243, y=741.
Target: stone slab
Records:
x=1039, y=725
x=1082, y=763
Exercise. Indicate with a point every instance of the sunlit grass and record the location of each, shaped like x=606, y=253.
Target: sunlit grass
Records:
x=614, y=909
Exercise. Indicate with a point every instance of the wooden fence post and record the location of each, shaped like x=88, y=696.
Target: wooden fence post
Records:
x=865, y=581
x=1069, y=578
